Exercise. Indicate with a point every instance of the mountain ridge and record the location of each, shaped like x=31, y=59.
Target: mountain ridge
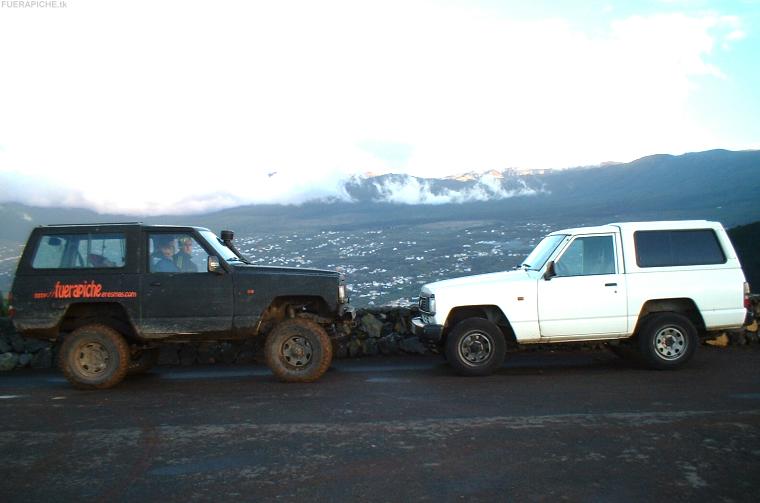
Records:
x=717, y=184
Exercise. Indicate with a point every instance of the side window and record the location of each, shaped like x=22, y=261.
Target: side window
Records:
x=103, y=250
x=49, y=254
x=677, y=248
x=588, y=256
x=178, y=253
x=75, y=251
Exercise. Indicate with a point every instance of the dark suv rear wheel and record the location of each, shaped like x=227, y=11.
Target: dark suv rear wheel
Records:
x=298, y=350
x=94, y=357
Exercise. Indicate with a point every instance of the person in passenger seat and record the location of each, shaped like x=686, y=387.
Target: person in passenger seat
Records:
x=184, y=257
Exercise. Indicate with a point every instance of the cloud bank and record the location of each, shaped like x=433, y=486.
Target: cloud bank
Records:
x=411, y=190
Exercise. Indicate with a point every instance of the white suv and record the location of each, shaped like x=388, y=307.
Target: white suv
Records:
x=656, y=284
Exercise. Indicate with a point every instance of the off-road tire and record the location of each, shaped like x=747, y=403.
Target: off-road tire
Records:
x=298, y=350
x=667, y=340
x=475, y=347
x=94, y=357
x=143, y=361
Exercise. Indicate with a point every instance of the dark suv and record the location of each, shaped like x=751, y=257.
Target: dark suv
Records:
x=113, y=292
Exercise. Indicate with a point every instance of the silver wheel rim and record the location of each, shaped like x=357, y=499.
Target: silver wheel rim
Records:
x=92, y=359
x=297, y=351
x=475, y=348
x=670, y=343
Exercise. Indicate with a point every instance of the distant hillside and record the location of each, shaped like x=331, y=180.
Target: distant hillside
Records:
x=718, y=185
x=469, y=224
x=746, y=240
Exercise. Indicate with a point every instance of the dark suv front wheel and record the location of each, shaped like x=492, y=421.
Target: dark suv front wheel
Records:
x=298, y=350
x=94, y=357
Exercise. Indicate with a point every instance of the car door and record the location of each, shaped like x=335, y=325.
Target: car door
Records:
x=180, y=296
x=587, y=296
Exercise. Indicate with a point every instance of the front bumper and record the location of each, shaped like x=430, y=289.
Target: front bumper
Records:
x=432, y=333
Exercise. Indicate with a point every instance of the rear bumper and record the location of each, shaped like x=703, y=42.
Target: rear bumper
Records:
x=432, y=333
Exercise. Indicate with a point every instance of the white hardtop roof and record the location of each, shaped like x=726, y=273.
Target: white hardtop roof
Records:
x=635, y=226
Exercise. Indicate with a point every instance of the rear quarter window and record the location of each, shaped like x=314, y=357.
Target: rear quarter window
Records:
x=678, y=248
x=80, y=251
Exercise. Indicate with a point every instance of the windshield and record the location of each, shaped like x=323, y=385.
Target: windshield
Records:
x=219, y=248
x=542, y=252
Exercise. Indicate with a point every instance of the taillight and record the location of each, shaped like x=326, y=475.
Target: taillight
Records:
x=747, y=303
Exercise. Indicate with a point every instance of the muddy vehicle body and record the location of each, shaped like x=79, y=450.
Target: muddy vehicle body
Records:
x=111, y=294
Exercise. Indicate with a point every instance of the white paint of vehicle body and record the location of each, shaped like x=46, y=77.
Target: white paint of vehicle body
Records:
x=600, y=307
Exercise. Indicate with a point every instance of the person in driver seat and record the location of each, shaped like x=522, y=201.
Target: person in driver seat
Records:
x=165, y=262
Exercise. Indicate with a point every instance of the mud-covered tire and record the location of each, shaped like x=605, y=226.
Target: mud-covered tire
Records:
x=94, y=357
x=667, y=340
x=298, y=350
x=143, y=361
x=475, y=347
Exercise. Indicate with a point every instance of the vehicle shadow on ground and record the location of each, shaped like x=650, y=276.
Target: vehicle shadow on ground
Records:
x=559, y=362
x=380, y=369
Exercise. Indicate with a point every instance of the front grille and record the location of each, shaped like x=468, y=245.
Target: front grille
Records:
x=425, y=304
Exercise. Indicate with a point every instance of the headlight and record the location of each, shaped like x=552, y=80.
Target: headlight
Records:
x=342, y=296
x=427, y=303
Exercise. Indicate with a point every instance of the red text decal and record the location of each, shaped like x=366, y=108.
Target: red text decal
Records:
x=84, y=290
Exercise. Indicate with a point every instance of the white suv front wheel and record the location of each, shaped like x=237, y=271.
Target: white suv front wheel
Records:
x=475, y=347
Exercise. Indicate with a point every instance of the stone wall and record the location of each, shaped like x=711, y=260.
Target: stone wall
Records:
x=380, y=331
x=19, y=352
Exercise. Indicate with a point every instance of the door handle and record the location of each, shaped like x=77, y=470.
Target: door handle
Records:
x=610, y=284
x=156, y=283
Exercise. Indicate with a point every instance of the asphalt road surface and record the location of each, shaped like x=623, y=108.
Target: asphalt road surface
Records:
x=572, y=426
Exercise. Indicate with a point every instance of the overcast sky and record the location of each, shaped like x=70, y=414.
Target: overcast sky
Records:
x=165, y=107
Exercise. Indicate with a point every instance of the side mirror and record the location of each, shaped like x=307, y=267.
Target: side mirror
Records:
x=550, y=272
x=214, y=265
